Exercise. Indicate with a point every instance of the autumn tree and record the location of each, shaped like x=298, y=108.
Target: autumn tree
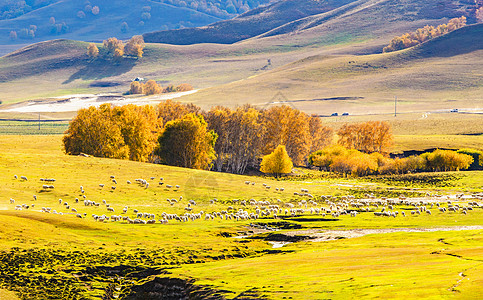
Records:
x=325, y=157
x=321, y=136
x=278, y=162
x=140, y=128
x=93, y=132
x=423, y=34
x=368, y=137
x=479, y=14
x=187, y=143
x=95, y=10
x=114, y=47
x=184, y=87
x=290, y=127
x=239, y=143
x=136, y=88
x=170, y=110
x=92, y=50
x=477, y=157
x=135, y=46
x=447, y=160
x=152, y=88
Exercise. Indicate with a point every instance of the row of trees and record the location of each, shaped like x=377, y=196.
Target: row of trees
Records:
x=228, y=140
x=339, y=159
x=112, y=47
x=152, y=88
x=424, y=34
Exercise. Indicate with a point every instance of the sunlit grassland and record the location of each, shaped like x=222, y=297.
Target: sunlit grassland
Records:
x=399, y=265
x=395, y=265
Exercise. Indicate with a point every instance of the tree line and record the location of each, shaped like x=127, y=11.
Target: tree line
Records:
x=424, y=34
x=223, y=139
x=339, y=159
x=236, y=140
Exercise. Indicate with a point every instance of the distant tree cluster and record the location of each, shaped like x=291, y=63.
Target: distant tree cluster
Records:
x=152, y=88
x=112, y=47
x=479, y=11
x=219, y=8
x=221, y=139
x=424, y=34
x=10, y=9
x=339, y=159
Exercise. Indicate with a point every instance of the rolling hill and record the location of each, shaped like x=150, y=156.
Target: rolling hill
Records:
x=440, y=74
x=309, y=60
x=295, y=16
x=82, y=21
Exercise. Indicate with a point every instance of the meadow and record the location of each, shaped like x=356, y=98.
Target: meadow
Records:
x=59, y=255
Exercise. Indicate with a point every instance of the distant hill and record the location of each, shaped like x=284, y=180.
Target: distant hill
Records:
x=247, y=25
x=295, y=16
x=443, y=72
x=33, y=21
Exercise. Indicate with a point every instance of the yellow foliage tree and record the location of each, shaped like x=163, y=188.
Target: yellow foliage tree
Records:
x=290, y=127
x=135, y=46
x=93, y=132
x=152, y=88
x=136, y=88
x=114, y=47
x=368, y=137
x=92, y=50
x=170, y=110
x=278, y=162
x=187, y=143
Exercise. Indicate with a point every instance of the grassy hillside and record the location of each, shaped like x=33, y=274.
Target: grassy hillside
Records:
x=46, y=255
x=247, y=25
x=295, y=17
x=91, y=27
x=440, y=74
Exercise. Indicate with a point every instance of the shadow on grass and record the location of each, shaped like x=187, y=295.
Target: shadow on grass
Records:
x=102, y=68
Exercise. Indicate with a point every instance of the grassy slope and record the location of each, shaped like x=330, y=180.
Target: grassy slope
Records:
x=247, y=25
x=369, y=266
x=440, y=74
x=107, y=23
x=212, y=65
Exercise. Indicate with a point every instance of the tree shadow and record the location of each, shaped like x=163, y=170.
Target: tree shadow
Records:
x=102, y=68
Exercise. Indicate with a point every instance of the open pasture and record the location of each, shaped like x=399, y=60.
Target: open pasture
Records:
x=72, y=254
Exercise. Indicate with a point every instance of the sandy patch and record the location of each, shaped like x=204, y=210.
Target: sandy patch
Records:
x=75, y=102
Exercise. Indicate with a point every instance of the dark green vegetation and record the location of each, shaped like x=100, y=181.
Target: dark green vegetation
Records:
x=54, y=256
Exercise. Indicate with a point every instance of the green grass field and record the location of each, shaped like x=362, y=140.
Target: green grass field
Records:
x=47, y=256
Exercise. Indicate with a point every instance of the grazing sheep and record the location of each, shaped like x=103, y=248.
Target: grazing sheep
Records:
x=177, y=186
x=35, y=197
x=247, y=182
x=113, y=188
x=12, y=201
x=15, y=176
x=101, y=185
x=115, y=181
x=112, y=176
x=128, y=182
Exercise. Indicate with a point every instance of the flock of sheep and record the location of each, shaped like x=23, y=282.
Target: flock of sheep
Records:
x=302, y=203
